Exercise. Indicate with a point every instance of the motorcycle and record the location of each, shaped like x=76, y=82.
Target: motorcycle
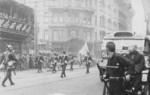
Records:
x=144, y=85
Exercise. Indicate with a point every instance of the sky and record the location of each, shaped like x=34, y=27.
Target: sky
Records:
x=138, y=22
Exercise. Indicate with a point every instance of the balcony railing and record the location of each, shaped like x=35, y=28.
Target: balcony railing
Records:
x=69, y=24
x=72, y=8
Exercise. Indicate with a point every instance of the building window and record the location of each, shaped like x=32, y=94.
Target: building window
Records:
x=66, y=3
x=93, y=4
x=88, y=3
x=83, y=3
x=61, y=20
x=95, y=36
x=102, y=21
x=51, y=17
x=102, y=5
x=77, y=3
x=109, y=23
x=88, y=36
x=55, y=35
x=95, y=20
x=89, y=21
x=53, y=3
x=115, y=11
x=85, y=35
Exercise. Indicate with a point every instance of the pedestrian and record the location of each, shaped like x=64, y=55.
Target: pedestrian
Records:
x=40, y=60
x=10, y=61
x=123, y=66
x=64, y=65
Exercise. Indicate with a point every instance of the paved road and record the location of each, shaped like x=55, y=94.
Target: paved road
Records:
x=46, y=83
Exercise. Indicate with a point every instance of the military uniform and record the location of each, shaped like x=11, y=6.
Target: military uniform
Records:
x=10, y=68
x=88, y=60
x=71, y=63
x=4, y=60
x=64, y=65
x=40, y=60
x=54, y=64
x=116, y=86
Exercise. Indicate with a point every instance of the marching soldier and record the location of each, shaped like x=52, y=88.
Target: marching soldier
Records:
x=88, y=60
x=4, y=58
x=54, y=64
x=10, y=60
x=64, y=65
x=40, y=60
x=71, y=63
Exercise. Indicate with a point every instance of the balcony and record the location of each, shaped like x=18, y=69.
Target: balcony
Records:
x=66, y=8
x=71, y=25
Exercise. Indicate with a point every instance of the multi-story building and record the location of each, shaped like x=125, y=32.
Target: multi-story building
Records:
x=73, y=22
x=125, y=14
x=16, y=25
x=146, y=6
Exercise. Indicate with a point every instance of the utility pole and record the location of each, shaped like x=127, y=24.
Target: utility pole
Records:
x=35, y=32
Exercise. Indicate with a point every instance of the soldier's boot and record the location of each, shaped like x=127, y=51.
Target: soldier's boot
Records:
x=3, y=85
x=64, y=74
x=4, y=80
x=61, y=76
x=10, y=79
x=12, y=84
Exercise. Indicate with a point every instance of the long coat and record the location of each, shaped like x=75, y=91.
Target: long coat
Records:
x=122, y=63
x=138, y=61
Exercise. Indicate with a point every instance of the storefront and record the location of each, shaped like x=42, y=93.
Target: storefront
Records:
x=16, y=26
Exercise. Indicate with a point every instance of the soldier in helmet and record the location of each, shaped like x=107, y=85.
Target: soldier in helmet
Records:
x=88, y=60
x=10, y=60
x=64, y=65
x=40, y=60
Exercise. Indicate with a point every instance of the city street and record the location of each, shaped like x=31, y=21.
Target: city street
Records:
x=76, y=83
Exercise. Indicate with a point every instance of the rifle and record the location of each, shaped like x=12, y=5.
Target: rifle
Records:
x=102, y=78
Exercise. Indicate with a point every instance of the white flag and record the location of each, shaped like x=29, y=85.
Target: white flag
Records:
x=84, y=50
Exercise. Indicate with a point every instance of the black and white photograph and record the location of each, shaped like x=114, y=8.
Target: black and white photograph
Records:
x=74, y=47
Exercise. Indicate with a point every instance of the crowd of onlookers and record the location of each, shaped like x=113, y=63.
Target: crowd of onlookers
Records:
x=28, y=61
